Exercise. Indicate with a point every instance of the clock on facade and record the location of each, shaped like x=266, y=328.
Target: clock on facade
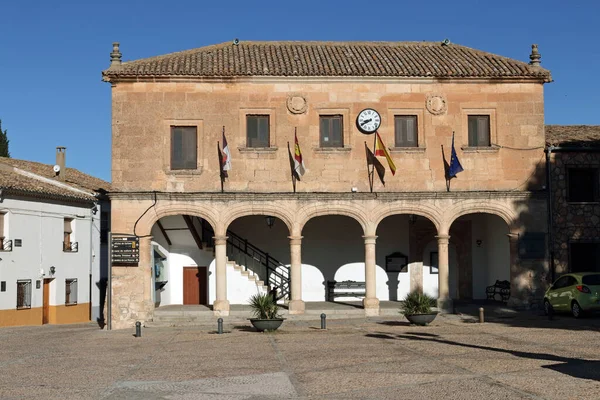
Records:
x=368, y=120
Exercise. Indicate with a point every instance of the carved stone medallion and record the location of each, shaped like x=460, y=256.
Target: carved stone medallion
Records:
x=296, y=104
x=436, y=104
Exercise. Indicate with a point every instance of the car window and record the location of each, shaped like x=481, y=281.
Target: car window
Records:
x=571, y=281
x=592, y=280
x=560, y=283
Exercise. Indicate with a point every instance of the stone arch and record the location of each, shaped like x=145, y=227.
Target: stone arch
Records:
x=422, y=210
x=479, y=207
x=306, y=213
x=244, y=209
x=147, y=221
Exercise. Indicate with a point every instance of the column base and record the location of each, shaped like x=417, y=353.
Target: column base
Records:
x=221, y=308
x=296, y=307
x=371, y=306
x=445, y=305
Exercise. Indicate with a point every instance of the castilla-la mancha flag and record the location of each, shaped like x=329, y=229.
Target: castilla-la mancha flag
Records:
x=298, y=161
x=381, y=150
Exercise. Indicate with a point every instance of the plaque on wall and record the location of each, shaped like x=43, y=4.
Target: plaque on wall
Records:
x=396, y=262
x=125, y=250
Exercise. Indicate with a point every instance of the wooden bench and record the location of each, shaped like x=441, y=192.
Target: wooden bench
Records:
x=350, y=289
x=501, y=288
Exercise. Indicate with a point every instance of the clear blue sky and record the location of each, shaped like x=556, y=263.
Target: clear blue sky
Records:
x=52, y=52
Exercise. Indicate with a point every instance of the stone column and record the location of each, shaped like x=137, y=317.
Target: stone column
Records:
x=444, y=301
x=516, y=297
x=221, y=304
x=296, y=305
x=370, y=302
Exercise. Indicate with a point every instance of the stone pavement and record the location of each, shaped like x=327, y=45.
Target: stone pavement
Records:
x=519, y=356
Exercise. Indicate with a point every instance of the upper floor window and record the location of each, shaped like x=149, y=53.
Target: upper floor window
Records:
x=583, y=185
x=405, y=127
x=257, y=131
x=479, y=130
x=69, y=243
x=184, y=147
x=331, y=131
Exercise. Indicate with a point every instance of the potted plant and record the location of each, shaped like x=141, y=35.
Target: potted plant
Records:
x=266, y=312
x=417, y=308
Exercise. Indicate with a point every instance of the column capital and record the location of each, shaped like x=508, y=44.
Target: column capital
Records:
x=370, y=239
x=295, y=239
x=220, y=239
x=513, y=237
x=443, y=238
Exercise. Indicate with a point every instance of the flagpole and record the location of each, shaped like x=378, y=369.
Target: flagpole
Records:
x=222, y=172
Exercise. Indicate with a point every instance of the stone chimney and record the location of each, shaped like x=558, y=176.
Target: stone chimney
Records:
x=535, y=56
x=61, y=157
x=115, y=56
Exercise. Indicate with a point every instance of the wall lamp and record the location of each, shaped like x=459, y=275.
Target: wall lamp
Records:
x=52, y=270
x=270, y=221
x=478, y=241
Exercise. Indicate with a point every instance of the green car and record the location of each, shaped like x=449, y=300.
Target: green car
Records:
x=577, y=293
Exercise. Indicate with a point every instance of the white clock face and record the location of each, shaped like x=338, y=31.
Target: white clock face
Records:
x=368, y=120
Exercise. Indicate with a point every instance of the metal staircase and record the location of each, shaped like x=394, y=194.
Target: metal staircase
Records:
x=273, y=272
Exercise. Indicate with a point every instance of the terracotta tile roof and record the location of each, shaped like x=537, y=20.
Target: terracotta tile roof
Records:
x=322, y=59
x=573, y=135
x=36, y=178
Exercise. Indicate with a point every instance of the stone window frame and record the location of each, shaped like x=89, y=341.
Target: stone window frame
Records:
x=199, y=125
x=568, y=168
x=243, y=115
x=420, y=114
x=345, y=113
x=464, y=136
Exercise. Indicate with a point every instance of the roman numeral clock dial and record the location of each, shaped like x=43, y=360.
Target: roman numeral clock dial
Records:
x=368, y=120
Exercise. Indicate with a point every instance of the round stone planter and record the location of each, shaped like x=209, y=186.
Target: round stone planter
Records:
x=266, y=324
x=421, y=319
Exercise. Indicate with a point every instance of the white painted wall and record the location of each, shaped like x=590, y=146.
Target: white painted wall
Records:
x=40, y=226
x=431, y=281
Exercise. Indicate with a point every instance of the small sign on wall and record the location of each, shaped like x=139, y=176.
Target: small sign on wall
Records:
x=396, y=262
x=18, y=242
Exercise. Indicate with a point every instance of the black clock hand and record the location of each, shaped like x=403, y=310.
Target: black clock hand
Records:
x=366, y=121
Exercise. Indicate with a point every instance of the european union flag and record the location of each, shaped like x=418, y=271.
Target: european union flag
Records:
x=455, y=166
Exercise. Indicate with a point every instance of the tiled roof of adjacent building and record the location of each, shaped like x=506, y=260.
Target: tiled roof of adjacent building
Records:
x=327, y=59
x=573, y=135
x=29, y=177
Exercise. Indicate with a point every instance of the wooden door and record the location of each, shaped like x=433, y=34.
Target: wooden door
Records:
x=195, y=285
x=46, y=303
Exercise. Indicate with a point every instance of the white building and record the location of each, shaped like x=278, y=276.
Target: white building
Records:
x=50, y=256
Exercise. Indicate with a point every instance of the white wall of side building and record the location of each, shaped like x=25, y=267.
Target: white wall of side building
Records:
x=39, y=225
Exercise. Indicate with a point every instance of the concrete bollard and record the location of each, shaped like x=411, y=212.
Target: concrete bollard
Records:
x=323, y=321
x=220, y=326
x=138, y=329
x=481, y=319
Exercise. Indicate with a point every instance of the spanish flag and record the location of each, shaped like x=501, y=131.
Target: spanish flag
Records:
x=381, y=150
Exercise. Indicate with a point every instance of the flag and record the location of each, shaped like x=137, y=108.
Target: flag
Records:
x=455, y=166
x=381, y=150
x=298, y=161
x=226, y=164
x=372, y=160
x=292, y=165
x=222, y=172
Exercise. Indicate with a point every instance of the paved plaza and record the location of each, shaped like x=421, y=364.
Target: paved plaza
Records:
x=520, y=356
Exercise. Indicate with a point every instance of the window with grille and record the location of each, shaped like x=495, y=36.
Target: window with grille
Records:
x=184, y=147
x=405, y=127
x=257, y=131
x=24, y=294
x=70, y=291
x=331, y=131
x=68, y=234
x=479, y=130
x=584, y=185
x=2, y=234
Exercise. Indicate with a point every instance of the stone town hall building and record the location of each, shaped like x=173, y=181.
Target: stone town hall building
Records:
x=201, y=245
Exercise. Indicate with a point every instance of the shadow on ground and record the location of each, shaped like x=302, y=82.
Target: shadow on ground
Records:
x=575, y=367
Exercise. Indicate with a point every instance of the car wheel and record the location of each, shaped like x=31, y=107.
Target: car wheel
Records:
x=548, y=310
x=576, y=309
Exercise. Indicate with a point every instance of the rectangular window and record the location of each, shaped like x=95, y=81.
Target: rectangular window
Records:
x=583, y=185
x=532, y=245
x=184, y=147
x=433, y=263
x=24, y=294
x=70, y=291
x=67, y=235
x=479, y=130
x=331, y=128
x=257, y=131
x=584, y=257
x=405, y=127
x=2, y=234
